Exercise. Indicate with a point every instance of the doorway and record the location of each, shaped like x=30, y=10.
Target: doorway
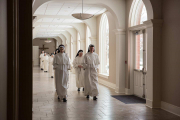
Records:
x=140, y=63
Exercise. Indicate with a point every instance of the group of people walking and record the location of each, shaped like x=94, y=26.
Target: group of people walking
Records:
x=85, y=69
x=46, y=61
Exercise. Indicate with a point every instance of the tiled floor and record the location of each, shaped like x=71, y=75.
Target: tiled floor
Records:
x=47, y=107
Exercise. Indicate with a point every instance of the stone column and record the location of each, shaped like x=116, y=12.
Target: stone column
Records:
x=74, y=52
x=120, y=60
x=153, y=78
x=69, y=48
x=93, y=41
x=83, y=45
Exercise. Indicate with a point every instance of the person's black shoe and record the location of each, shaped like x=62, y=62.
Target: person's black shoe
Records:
x=94, y=98
x=51, y=76
x=78, y=89
x=87, y=97
x=83, y=89
x=41, y=69
x=58, y=98
x=64, y=100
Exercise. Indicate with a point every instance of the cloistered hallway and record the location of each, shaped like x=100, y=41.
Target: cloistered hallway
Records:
x=47, y=107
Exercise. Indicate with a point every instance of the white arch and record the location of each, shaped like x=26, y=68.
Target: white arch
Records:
x=63, y=38
x=59, y=40
x=91, y=23
x=73, y=32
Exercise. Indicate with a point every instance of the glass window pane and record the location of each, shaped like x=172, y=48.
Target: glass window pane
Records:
x=104, y=44
x=139, y=51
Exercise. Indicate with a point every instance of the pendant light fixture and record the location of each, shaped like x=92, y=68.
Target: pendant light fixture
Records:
x=82, y=16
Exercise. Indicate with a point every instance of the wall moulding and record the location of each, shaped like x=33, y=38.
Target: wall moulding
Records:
x=120, y=31
x=153, y=23
x=147, y=24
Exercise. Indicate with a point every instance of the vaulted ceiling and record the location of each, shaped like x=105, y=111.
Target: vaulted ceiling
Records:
x=55, y=17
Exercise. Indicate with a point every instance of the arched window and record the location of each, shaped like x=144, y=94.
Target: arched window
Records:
x=88, y=35
x=138, y=13
x=104, y=44
x=78, y=40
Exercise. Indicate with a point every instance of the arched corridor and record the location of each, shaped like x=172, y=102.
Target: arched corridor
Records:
x=131, y=71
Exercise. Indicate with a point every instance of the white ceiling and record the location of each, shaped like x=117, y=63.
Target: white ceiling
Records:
x=60, y=9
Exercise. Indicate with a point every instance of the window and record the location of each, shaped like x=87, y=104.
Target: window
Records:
x=88, y=35
x=143, y=15
x=104, y=44
x=139, y=52
x=138, y=13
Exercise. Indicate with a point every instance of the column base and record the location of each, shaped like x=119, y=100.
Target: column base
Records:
x=120, y=91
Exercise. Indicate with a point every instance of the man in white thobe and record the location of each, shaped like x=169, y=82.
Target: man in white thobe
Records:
x=79, y=70
x=45, y=62
x=91, y=63
x=61, y=65
x=51, y=71
x=41, y=63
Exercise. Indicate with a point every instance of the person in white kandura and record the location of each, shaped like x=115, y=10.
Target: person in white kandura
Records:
x=91, y=63
x=45, y=62
x=79, y=70
x=61, y=65
x=51, y=71
x=41, y=63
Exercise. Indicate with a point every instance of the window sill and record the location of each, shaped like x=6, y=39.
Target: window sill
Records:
x=106, y=76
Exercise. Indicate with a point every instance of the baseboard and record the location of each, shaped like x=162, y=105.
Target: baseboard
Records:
x=149, y=103
x=127, y=91
x=106, y=83
x=170, y=108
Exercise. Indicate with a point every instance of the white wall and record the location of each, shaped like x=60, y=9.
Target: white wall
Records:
x=170, y=52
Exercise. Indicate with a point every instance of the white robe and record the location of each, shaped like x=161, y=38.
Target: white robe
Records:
x=41, y=63
x=54, y=74
x=91, y=64
x=61, y=65
x=51, y=71
x=79, y=71
x=45, y=62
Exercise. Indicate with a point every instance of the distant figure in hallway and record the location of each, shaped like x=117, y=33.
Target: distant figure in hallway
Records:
x=79, y=70
x=61, y=65
x=45, y=62
x=41, y=63
x=51, y=71
x=91, y=63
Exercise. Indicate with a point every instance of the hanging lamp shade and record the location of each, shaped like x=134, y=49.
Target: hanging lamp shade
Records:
x=82, y=16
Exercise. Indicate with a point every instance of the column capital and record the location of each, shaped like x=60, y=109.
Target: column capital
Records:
x=153, y=23
x=120, y=31
x=82, y=40
x=92, y=38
